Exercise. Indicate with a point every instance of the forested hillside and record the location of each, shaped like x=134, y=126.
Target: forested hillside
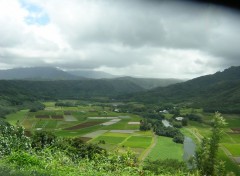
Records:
x=217, y=92
x=150, y=83
x=37, y=73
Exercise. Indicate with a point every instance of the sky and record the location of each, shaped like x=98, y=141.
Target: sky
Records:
x=142, y=38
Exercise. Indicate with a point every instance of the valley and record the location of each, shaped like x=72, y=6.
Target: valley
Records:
x=124, y=118
x=106, y=125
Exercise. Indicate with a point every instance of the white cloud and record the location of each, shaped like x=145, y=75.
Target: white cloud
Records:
x=141, y=38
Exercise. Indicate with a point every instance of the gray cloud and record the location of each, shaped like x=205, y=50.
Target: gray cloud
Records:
x=123, y=37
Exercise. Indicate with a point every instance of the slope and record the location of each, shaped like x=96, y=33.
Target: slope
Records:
x=36, y=73
x=150, y=83
x=91, y=74
x=220, y=91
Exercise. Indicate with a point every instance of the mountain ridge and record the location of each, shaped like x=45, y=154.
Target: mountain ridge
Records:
x=36, y=73
x=216, y=92
x=52, y=73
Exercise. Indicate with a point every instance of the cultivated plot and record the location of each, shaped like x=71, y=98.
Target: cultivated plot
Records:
x=165, y=148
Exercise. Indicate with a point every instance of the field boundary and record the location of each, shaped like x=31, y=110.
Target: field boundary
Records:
x=144, y=155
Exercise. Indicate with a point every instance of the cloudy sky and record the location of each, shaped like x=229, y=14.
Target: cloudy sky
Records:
x=142, y=38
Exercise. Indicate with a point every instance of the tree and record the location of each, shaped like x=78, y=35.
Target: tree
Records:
x=145, y=125
x=43, y=139
x=206, y=156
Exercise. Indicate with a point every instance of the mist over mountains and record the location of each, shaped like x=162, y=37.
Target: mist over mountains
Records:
x=53, y=74
x=216, y=92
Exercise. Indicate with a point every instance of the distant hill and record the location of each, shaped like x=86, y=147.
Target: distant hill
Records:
x=64, y=89
x=216, y=92
x=51, y=73
x=91, y=74
x=36, y=73
x=150, y=83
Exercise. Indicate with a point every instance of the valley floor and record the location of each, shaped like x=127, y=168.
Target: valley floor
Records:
x=120, y=131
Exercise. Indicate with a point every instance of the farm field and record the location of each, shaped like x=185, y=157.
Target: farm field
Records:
x=165, y=148
x=113, y=130
x=16, y=117
x=230, y=143
x=91, y=123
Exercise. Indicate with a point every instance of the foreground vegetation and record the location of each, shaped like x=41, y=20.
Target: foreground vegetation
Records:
x=45, y=154
x=107, y=142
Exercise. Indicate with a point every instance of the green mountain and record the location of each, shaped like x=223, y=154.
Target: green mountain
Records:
x=65, y=89
x=91, y=74
x=36, y=73
x=150, y=83
x=216, y=92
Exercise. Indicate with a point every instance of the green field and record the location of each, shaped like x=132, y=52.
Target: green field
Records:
x=138, y=142
x=230, y=141
x=230, y=165
x=128, y=136
x=234, y=149
x=15, y=117
x=165, y=148
x=110, y=139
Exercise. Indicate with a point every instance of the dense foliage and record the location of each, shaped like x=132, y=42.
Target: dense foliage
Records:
x=45, y=154
x=71, y=89
x=169, y=166
x=206, y=156
x=217, y=92
x=161, y=130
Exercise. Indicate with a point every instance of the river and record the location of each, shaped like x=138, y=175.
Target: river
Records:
x=189, y=149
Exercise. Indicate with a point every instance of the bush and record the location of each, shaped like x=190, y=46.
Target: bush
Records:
x=12, y=139
x=42, y=139
x=179, y=138
x=169, y=166
x=177, y=124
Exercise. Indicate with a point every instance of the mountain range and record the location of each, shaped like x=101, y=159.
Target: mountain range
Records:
x=51, y=73
x=36, y=73
x=216, y=92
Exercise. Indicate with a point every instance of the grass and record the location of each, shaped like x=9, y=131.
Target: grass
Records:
x=117, y=134
x=168, y=116
x=80, y=132
x=165, y=148
x=51, y=124
x=234, y=149
x=187, y=132
x=109, y=139
x=201, y=129
x=18, y=116
x=185, y=111
x=29, y=123
x=122, y=125
x=235, y=137
x=49, y=104
x=138, y=142
x=230, y=165
x=227, y=138
x=41, y=123
x=144, y=133
x=232, y=120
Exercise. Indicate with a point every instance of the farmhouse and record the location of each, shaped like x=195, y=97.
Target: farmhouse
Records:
x=164, y=111
x=179, y=118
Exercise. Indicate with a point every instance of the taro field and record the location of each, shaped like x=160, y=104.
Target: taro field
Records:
x=92, y=123
x=230, y=143
x=112, y=130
